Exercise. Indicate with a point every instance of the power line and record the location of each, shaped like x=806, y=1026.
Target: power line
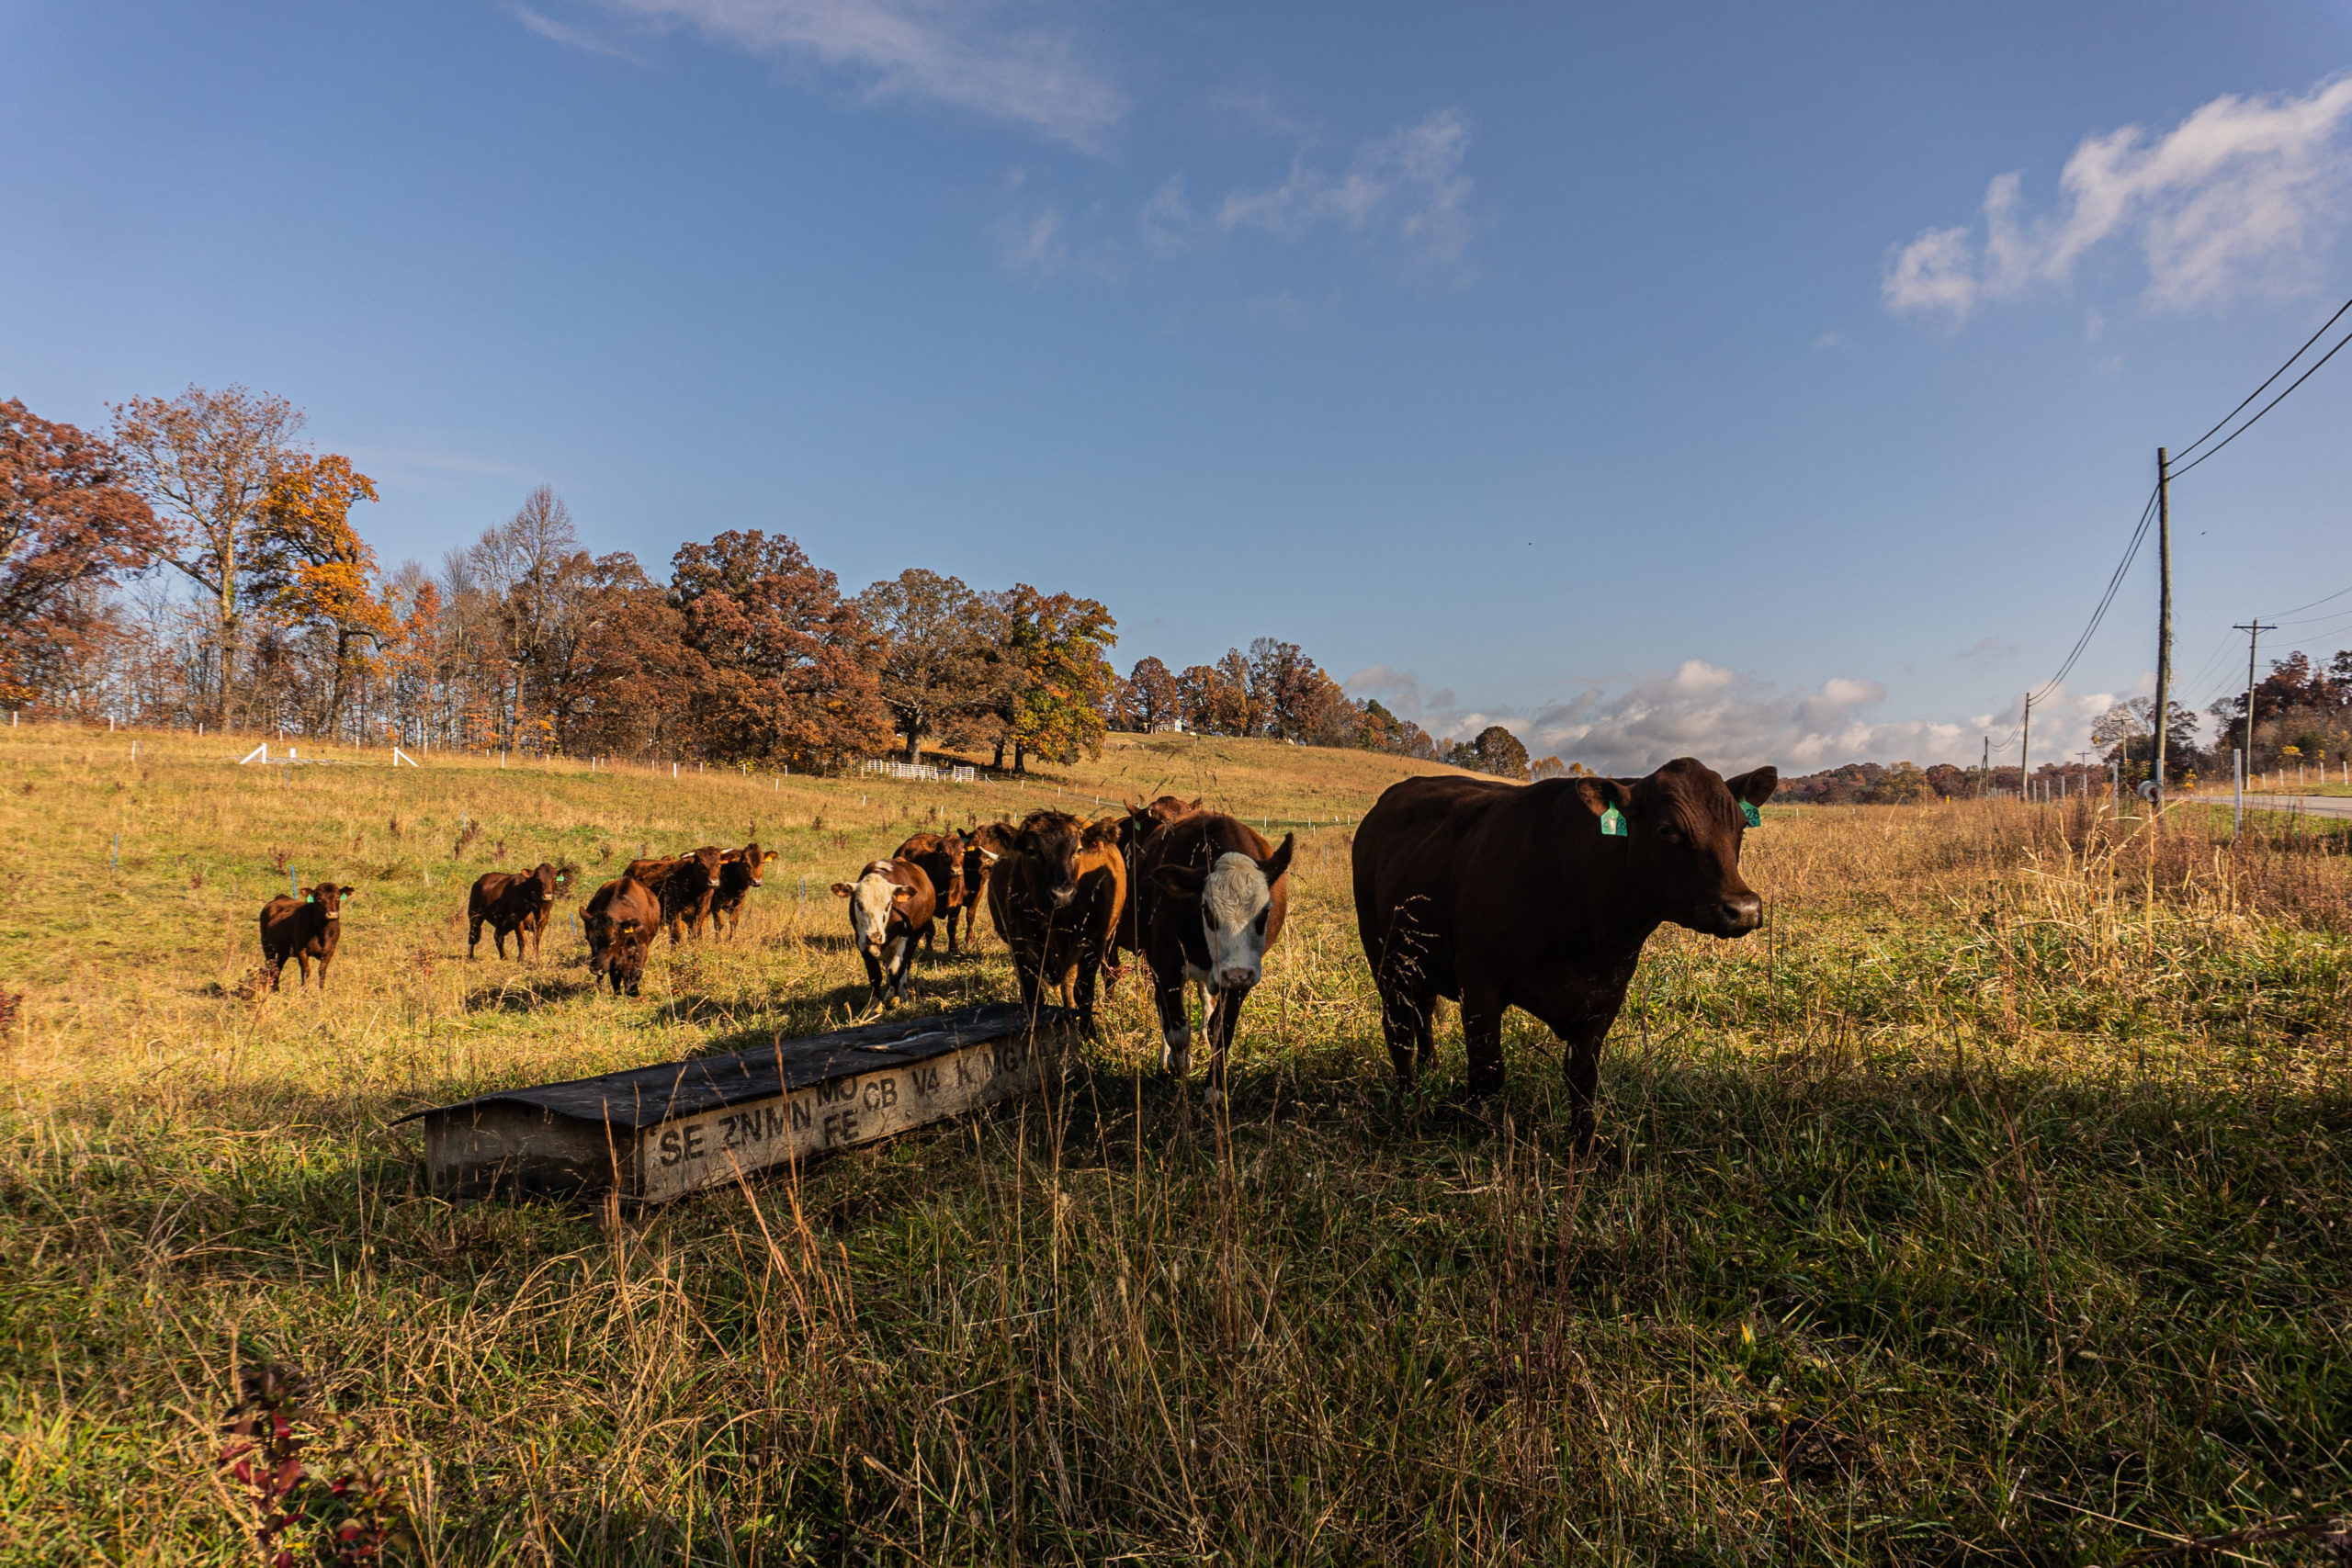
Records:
x=2273, y=376
x=2130, y=552
x=2273, y=404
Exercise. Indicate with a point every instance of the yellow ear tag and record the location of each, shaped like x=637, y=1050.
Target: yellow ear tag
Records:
x=1755, y=818
x=1613, y=824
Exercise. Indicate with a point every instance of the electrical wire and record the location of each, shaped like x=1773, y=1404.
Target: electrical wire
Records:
x=2273, y=404
x=2273, y=376
x=2130, y=553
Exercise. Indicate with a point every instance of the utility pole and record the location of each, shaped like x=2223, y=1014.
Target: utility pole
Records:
x=2025, y=751
x=2254, y=630
x=1985, y=777
x=2164, y=618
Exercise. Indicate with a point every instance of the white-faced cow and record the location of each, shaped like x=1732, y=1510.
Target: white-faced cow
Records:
x=891, y=909
x=1212, y=894
x=1539, y=897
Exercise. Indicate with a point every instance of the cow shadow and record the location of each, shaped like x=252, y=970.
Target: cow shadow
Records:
x=523, y=993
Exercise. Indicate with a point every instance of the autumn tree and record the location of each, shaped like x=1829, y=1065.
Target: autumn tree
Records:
x=781, y=666
x=1496, y=750
x=207, y=463
x=1055, y=679
x=68, y=526
x=939, y=639
x=1213, y=702
x=1152, y=700
x=309, y=568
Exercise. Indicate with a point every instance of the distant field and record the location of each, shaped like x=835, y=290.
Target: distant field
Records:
x=1994, y=1203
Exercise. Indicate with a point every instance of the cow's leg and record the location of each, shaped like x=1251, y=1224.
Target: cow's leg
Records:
x=303, y=961
x=1404, y=1023
x=473, y=933
x=1225, y=1018
x=277, y=962
x=1090, y=963
x=906, y=966
x=1482, y=1039
x=1175, y=1028
x=323, y=960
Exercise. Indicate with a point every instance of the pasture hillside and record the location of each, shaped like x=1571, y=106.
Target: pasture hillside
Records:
x=1992, y=1203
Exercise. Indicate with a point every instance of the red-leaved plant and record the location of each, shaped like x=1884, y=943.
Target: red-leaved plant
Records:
x=295, y=1517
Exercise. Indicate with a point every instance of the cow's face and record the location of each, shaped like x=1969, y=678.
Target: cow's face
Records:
x=873, y=899
x=1049, y=844
x=1236, y=899
x=707, y=862
x=985, y=847
x=1683, y=831
x=329, y=898
x=546, y=882
x=611, y=938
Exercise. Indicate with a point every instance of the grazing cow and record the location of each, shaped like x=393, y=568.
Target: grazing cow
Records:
x=739, y=871
x=686, y=885
x=1055, y=899
x=942, y=857
x=620, y=921
x=1212, y=894
x=303, y=929
x=517, y=902
x=1539, y=897
x=890, y=906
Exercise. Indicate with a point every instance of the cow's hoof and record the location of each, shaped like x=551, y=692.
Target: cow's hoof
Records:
x=1176, y=1051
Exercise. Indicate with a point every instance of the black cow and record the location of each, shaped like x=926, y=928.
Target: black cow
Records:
x=1539, y=897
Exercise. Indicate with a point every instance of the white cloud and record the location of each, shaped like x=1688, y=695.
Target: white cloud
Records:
x=1992, y=651
x=1408, y=184
x=1733, y=722
x=1166, y=221
x=2243, y=196
x=1035, y=247
x=567, y=35
x=952, y=53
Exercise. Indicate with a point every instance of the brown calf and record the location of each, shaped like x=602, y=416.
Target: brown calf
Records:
x=739, y=871
x=1055, y=899
x=303, y=929
x=620, y=920
x=942, y=857
x=684, y=883
x=517, y=902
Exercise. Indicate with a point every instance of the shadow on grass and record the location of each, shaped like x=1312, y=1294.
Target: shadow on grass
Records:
x=528, y=992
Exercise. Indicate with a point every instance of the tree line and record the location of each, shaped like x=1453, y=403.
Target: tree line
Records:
x=198, y=564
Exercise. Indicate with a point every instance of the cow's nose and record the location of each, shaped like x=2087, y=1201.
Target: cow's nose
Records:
x=1741, y=913
x=1063, y=896
x=1235, y=979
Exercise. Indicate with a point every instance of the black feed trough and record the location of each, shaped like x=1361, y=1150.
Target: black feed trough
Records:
x=653, y=1133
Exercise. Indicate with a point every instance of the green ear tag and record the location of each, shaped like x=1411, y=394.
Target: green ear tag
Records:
x=307, y=899
x=1613, y=824
x=1755, y=818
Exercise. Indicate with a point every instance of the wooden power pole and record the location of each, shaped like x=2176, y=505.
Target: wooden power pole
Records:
x=2025, y=751
x=2164, y=617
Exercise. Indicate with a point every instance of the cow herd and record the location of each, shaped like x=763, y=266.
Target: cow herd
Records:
x=1490, y=895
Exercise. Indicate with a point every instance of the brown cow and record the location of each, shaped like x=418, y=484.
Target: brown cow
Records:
x=620, y=920
x=942, y=857
x=1503, y=896
x=684, y=883
x=1139, y=823
x=891, y=905
x=1214, y=894
x=1055, y=899
x=517, y=902
x=303, y=929
x=739, y=871
x=983, y=847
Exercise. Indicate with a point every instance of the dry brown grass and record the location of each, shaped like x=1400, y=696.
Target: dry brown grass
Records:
x=1993, y=1204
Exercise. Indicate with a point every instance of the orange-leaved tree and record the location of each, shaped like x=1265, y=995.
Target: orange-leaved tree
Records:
x=309, y=568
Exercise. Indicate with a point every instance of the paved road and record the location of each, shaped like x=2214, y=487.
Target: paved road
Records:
x=2308, y=804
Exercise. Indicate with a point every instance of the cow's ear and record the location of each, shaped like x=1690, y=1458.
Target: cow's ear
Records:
x=1600, y=794
x=1273, y=865
x=1097, y=835
x=1181, y=881
x=767, y=857
x=345, y=892
x=900, y=895
x=1195, y=805
x=1754, y=788
x=843, y=889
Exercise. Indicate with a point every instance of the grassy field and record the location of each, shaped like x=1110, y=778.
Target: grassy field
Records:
x=1993, y=1204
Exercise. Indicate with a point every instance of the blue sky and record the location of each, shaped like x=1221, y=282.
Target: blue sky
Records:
x=1767, y=383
